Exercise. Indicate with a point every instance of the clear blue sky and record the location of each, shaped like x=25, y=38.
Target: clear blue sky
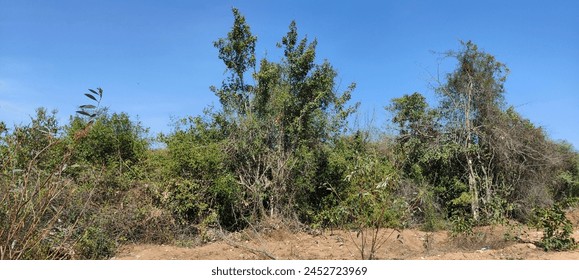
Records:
x=155, y=59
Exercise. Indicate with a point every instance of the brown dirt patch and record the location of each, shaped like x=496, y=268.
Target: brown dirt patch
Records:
x=488, y=243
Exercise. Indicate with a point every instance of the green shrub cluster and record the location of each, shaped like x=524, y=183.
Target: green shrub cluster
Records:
x=557, y=229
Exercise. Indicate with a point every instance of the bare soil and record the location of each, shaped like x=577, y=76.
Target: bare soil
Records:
x=487, y=243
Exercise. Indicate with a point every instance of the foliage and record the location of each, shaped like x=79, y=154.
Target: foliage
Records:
x=95, y=244
x=34, y=191
x=200, y=183
x=557, y=229
x=36, y=142
x=89, y=110
x=237, y=51
x=567, y=187
x=526, y=163
x=417, y=130
x=368, y=200
x=462, y=226
x=483, y=163
x=368, y=204
x=471, y=97
x=273, y=127
x=113, y=140
x=28, y=208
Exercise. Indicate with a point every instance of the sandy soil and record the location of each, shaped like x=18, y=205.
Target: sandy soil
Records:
x=488, y=243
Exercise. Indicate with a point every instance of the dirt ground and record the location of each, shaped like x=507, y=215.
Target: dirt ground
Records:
x=488, y=243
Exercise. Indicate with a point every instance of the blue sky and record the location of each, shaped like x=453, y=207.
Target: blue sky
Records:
x=156, y=60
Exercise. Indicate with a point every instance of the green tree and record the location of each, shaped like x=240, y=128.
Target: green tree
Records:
x=419, y=156
x=237, y=51
x=505, y=164
x=472, y=96
x=284, y=119
x=417, y=130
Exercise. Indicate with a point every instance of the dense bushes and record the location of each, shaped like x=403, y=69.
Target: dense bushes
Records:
x=200, y=183
x=34, y=190
x=76, y=191
x=113, y=140
x=482, y=162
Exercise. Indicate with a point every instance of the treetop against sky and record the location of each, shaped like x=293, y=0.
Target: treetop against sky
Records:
x=156, y=60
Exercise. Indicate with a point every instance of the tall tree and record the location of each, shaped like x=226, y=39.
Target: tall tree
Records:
x=279, y=123
x=484, y=160
x=471, y=97
x=417, y=127
x=237, y=51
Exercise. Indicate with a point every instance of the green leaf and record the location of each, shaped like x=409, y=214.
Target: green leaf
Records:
x=87, y=106
x=93, y=91
x=83, y=113
x=91, y=96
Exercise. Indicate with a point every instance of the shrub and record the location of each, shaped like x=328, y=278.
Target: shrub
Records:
x=95, y=244
x=199, y=180
x=35, y=191
x=113, y=140
x=557, y=229
x=368, y=205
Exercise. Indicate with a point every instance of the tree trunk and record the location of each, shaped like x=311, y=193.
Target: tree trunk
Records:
x=474, y=205
x=471, y=174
